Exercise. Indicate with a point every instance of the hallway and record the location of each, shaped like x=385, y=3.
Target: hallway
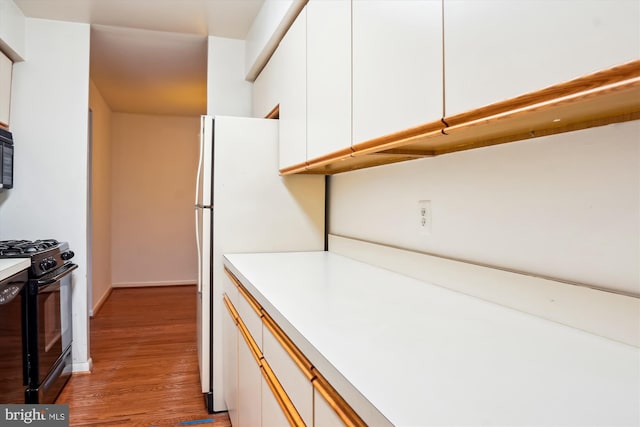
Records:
x=145, y=368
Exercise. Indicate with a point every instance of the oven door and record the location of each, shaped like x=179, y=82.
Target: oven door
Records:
x=48, y=322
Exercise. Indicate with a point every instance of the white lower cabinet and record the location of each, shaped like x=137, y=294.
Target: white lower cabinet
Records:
x=294, y=382
x=323, y=413
x=268, y=382
x=272, y=413
x=251, y=320
x=249, y=388
x=230, y=350
x=230, y=373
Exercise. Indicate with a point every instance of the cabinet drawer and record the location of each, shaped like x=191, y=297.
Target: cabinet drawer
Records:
x=251, y=319
x=230, y=290
x=272, y=414
x=324, y=415
x=293, y=380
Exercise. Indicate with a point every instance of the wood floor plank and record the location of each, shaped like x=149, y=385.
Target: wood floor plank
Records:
x=145, y=363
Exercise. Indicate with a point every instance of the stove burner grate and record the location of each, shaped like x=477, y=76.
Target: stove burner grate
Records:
x=26, y=247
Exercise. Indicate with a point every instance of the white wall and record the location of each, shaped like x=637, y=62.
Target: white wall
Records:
x=153, y=169
x=228, y=93
x=49, y=118
x=100, y=280
x=565, y=206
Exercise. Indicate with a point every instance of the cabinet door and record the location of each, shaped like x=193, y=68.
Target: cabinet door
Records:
x=499, y=49
x=295, y=383
x=397, y=65
x=251, y=319
x=292, y=56
x=5, y=88
x=249, y=387
x=328, y=76
x=266, y=88
x=272, y=413
x=230, y=363
x=323, y=413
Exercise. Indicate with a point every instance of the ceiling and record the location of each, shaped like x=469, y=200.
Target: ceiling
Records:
x=150, y=56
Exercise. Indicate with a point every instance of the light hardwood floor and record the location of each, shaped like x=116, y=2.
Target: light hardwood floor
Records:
x=145, y=368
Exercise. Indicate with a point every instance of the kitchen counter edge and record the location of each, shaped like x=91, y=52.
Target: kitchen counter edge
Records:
x=11, y=266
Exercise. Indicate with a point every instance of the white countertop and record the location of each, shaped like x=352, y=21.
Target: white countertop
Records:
x=11, y=266
x=424, y=355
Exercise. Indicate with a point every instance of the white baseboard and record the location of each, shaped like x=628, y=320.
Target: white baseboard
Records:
x=148, y=284
x=82, y=367
x=607, y=314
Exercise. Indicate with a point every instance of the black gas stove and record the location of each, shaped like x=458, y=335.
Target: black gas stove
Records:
x=46, y=255
x=46, y=316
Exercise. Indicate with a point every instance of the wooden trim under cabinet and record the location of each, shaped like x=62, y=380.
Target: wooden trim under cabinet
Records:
x=274, y=113
x=601, y=98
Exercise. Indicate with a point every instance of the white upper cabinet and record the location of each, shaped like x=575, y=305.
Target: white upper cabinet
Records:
x=292, y=84
x=499, y=49
x=13, y=30
x=6, y=67
x=397, y=65
x=328, y=76
x=266, y=87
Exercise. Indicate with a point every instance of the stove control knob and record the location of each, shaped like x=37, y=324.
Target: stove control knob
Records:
x=48, y=263
x=67, y=255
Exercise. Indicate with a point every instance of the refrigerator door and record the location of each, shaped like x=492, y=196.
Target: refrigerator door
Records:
x=204, y=299
x=204, y=243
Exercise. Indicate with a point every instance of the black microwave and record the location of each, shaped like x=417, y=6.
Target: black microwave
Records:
x=6, y=160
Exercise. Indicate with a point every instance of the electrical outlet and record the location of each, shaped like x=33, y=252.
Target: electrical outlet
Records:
x=424, y=217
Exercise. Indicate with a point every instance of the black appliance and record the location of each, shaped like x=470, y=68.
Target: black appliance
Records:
x=12, y=291
x=6, y=160
x=46, y=316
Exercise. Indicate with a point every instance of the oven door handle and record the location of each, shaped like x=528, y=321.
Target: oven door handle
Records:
x=50, y=281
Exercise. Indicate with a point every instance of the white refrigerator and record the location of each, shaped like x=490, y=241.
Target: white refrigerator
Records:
x=243, y=205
